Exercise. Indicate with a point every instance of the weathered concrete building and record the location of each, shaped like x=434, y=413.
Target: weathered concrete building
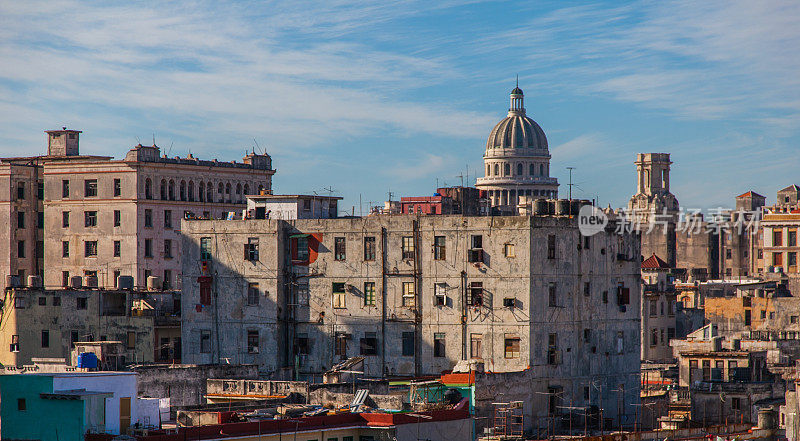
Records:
x=44, y=323
x=96, y=218
x=658, y=311
x=779, y=228
x=415, y=295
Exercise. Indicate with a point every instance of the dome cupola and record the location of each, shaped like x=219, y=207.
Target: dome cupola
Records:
x=517, y=131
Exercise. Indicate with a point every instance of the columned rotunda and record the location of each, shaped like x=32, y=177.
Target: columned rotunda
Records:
x=517, y=161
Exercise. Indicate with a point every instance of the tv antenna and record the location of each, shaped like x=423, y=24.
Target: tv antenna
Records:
x=570, y=181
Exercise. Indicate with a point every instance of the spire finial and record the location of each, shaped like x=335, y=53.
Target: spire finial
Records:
x=517, y=80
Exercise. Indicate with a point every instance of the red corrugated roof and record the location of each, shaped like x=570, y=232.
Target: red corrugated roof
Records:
x=749, y=194
x=654, y=262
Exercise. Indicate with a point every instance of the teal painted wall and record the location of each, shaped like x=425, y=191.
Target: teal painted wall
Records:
x=46, y=420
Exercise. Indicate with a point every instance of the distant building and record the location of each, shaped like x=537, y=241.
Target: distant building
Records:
x=269, y=206
x=67, y=405
x=92, y=217
x=658, y=310
x=517, y=160
x=447, y=200
x=44, y=323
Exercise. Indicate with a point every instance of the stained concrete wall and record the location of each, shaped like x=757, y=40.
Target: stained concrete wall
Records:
x=595, y=337
x=36, y=311
x=184, y=384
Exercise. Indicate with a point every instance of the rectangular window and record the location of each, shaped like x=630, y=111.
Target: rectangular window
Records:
x=369, y=248
x=65, y=188
x=302, y=249
x=511, y=346
x=339, y=248
x=587, y=335
x=20, y=219
x=302, y=344
x=65, y=219
x=205, y=290
x=508, y=250
x=439, y=248
x=302, y=293
x=205, y=248
x=339, y=295
x=407, y=246
x=21, y=249
x=792, y=238
x=440, y=294
x=40, y=219
x=131, y=340
x=90, y=248
x=369, y=344
x=167, y=281
x=587, y=241
x=14, y=347
x=57, y=301
x=653, y=337
x=40, y=190
x=21, y=405
x=45, y=338
x=587, y=289
x=20, y=190
x=117, y=248
x=148, y=248
x=168, y=219
x=777, y=237
x=552, y=349
x=551, y=246
x=475, y=294
x=340, y=345
x=476, y=242
x=408, y=344
x=90, y=218
x=438, y=345
x=117, y=187
x=777, y=258
x=791, y=259
x=252, y=294
x=728, y=254
x=65, y=248
x=148, y=218
x=476, y=346
x=205, y=342
x=252, y=342
x=82, y=302
x=369, y=293
x=251, y=249
x=168, y=248
x=409, y=298
x=653, y=308
x=90, y=187
x=551, y=294
x=64, y=279
x=42, y=301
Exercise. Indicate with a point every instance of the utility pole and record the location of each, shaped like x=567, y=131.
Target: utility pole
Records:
x=570, y=181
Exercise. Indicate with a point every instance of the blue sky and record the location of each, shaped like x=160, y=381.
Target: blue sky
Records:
x=368, y=97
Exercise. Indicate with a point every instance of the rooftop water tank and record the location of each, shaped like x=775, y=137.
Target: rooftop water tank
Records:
x=87, y=360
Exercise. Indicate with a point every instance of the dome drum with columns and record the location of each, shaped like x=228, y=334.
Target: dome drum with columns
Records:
x=517, y=159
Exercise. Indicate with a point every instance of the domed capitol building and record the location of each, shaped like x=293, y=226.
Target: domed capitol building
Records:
x=517, y=159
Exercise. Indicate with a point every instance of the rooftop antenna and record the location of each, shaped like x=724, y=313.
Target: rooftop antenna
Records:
x=461, y=175
x=170, y=146
x=259, y=147
x=467, y=176
x=330, y=190
x=138, y=141
x=570, y=181
x=154, y=139
x=517, y=80
x=390, y=195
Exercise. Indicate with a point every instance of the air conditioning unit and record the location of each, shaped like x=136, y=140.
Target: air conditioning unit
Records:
x=90, y=281
x=12, y=281
x=125, y=282
x=76, y=282
x=153, y=283
x=509, y=302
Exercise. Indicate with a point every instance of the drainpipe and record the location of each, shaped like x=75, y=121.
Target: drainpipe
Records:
x=417, y=301
x=383, y=300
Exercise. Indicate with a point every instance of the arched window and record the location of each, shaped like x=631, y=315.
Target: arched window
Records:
x=239, y=192
x=507, y=169
x=246, y=189
x=531, y=170
x=488, y=170
x=209, y=192
x=148, y=189
x=191, y=191
x=221, y=192
x=202, y=191
x=163, y=189
x=519, y=169
x=497, y=170
x=541, y=169
x=171, y=190
x=183, y=190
